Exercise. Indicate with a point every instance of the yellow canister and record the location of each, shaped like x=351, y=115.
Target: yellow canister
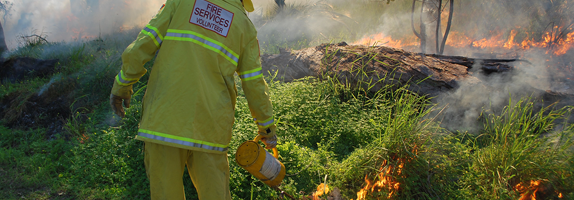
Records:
x=260, y=163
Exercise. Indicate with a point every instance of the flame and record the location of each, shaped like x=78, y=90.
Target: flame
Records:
x=385, y=181
x=84, y=138
x=510, y=43
x=321, y=189
x=554, y=41
x=382, y=39
x=78, y=33
x=529, y=193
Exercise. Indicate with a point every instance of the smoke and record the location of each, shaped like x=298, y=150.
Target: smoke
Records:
x=298, y=24
x=490, y=93
x=73, y=20
x=47, y=85
x=542, y=72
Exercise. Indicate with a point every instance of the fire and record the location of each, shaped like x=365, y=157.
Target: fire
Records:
x=78, y=33
x=557, y=41
x=549, y=40
x=382, y=39
x=510, y=43
x=84, y=138
x=385, y=181
x=321, y=190
x=386, y=178
x=531, y=192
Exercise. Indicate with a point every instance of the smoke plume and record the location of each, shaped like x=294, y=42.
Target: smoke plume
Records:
x=72, y=20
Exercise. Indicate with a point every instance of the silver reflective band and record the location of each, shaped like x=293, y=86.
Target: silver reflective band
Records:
x=185, y=143
x=204, y=41
x=266, y=124
x=244, y=76
x=154, y=34
x=125, y=81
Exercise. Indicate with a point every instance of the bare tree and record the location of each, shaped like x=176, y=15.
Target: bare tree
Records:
x=280, y=3
x=5, y=7
x=440, y=40
x=422, y=35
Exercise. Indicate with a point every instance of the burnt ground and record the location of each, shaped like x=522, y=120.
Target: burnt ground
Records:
x=17, y=69
x=47, y=108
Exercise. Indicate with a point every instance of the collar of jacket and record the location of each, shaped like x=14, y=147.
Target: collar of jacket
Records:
x=237, y=4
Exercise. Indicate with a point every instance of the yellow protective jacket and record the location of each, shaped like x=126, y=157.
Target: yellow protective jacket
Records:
x=191, y=93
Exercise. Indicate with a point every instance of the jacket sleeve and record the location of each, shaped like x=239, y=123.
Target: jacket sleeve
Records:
x=142, y=50
x=255, y=88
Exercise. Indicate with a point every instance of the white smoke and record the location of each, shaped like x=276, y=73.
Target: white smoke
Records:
x=70, y=20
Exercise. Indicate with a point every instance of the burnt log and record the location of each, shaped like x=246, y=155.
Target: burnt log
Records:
x=374, y=67
x=487, y=65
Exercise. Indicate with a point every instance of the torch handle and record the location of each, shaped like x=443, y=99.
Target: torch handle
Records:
x=275, y=152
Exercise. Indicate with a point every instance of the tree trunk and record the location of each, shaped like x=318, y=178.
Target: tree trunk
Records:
x=413, y=20
x=280, y=3
x=438, y=33
x=3, y=47
x=450, y=13
x=423, y=31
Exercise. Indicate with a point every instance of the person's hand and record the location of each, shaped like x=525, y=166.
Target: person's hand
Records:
x=116, y=103
x=270, y=142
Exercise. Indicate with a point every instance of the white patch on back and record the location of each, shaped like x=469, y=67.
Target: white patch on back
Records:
x=211, y=17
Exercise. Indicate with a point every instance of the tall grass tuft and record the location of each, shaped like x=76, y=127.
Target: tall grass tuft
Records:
x=520, y=145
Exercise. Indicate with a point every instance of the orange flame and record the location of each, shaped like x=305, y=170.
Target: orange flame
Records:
x=554, y=41
x=321, y=190
x=386, y=181
x=382, y=39
x=530, y=192
x=84, y=138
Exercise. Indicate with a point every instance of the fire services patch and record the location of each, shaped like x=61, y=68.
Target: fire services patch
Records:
x=211, y=17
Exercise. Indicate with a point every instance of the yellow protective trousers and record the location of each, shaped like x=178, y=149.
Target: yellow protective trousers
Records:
x=165, y=166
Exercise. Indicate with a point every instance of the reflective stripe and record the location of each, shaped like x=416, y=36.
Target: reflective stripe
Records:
x=122, y=80
x=211, y=44
x=266, y=123
x=250, y=75
x=154, y=34
x=181, y=140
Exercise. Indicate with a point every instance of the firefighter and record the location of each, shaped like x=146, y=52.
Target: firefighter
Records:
x=189, y=104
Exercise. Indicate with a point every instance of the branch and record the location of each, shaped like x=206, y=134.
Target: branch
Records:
x=37, y=36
